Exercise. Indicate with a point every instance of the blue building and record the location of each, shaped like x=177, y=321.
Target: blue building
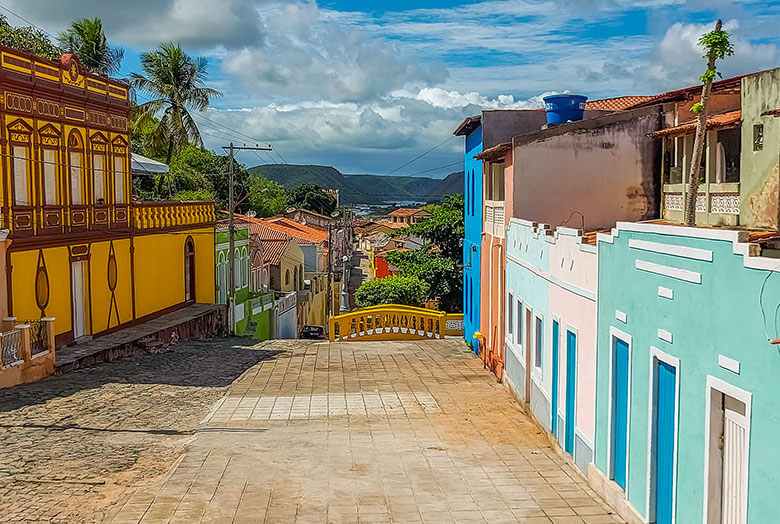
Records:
x=482, y=132
x=471, y=128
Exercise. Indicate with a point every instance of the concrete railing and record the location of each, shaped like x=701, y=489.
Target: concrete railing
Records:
x=162, y=215
x=27, y=351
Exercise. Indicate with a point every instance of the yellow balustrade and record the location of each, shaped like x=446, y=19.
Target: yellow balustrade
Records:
x=161, y=215
x=388, y=322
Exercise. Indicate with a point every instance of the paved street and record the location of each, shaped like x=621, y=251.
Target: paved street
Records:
x=284, y=431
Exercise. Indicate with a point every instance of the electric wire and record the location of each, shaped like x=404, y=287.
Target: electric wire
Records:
x=434, y=148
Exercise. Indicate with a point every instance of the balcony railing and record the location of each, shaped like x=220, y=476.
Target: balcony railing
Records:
x=29, y=221
x=162, y=215
x=27, y=350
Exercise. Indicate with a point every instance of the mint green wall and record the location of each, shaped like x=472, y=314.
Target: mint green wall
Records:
x=263, y=331
x=720, y=316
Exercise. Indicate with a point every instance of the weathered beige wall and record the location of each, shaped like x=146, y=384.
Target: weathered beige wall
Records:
x=760, y=170
x=605, y=168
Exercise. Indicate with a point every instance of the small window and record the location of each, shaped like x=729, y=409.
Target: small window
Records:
x=758, y=137
x=119, y=179
x=99, y=177
x=539, y=340
x=21, y=174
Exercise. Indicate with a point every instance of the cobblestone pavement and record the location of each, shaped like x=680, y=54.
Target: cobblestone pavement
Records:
x=73, y=443
x=403, y=432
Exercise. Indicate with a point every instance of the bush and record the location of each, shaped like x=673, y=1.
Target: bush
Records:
x=405, y=290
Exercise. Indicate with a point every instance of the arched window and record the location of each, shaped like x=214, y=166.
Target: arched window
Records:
x=221, y=278
x=99, y=147
x=20, y=143
x=244, y=267
x=78, y=187
x=119, y=151
x=237, y=269
x=287, y=277
x=265, y=282
x=50, y=161
x=295, y=280
x=189, y=270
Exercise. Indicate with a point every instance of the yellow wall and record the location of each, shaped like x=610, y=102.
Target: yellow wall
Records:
x=292, y=259
x=24, y=265
x=159, y=269
x=101, y=293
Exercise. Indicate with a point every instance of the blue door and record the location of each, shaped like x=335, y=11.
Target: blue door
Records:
x=571, y=383
x=619, y=412
x=555, y=331
x=664, y=415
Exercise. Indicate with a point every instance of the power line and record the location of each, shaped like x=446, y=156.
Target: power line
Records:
x=23, y=19
x=434, y=148
x=436, y=168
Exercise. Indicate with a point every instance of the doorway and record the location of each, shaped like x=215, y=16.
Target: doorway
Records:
x=619, y=437
x=664, y=432
x=571, y=383
x=727, y=454
x=554, y=401
x=528, y=331
x=78, y=278
x=189, y=271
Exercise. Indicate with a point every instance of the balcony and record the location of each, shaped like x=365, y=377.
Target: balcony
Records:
x=30, y=221
x=167, y=215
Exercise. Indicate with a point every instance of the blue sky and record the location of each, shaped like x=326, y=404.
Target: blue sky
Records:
x=367, y=86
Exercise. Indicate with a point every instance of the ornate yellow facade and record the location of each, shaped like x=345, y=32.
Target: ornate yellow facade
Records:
x=79, y=248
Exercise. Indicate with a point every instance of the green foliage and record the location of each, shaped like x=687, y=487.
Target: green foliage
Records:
x=716, y=47
x=443, y=274
x=399, y=289
x=311, y=197
x=697, y=108
x=444, y=228
x=176, y=83
x=194, y=194
x=266, y=197
x=28, y=39
x=86, y=39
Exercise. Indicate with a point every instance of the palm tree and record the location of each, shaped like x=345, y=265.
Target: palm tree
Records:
x=85, y=38
x=175, y=81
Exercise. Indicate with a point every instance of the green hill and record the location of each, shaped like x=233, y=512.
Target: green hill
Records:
x=364, y=189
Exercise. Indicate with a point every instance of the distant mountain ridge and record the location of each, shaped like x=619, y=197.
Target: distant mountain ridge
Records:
x=364, y=189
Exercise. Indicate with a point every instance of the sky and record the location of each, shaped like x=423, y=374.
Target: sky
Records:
x=368, y=86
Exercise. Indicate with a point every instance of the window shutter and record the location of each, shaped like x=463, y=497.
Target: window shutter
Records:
x=50, y=177
x=21, y=197
x=75, y=179
x=119, y=180
x=97, y=165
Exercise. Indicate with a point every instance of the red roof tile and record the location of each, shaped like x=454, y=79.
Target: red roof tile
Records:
x=719, y=121
x=304, y=233
x=619, y=103
x=407, y=211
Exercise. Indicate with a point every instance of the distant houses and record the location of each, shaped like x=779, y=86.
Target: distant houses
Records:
x=644, y=348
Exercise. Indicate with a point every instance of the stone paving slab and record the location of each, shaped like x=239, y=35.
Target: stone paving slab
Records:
x=403, y=432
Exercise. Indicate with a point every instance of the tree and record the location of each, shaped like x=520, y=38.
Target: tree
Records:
x=28, y=39
x=439, y=261
x=311, y=197
x=85, y=38
x=717, y=46
x=443, y=274
x=177, y=84
x=266, y=197
x=444, y=228
x=397, y=289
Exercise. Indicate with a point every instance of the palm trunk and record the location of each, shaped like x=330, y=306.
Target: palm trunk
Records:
x=698, y=146
x=161, y=182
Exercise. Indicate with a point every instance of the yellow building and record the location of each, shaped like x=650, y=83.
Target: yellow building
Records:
x=81, y=250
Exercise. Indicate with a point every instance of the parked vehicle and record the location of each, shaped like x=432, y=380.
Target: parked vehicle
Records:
x=315, y=332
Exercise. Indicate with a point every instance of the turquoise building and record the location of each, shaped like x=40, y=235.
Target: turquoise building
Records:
x=687, y=389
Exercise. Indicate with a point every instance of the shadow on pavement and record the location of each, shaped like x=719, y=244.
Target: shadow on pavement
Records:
x=208, y=363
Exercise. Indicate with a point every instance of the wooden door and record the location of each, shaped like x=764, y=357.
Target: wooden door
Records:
x=555, y=342
x=734, y=462
x=571, y=382
x=665, y=421
x=620, y=413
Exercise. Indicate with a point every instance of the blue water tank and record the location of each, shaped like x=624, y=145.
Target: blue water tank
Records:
x=564, y=108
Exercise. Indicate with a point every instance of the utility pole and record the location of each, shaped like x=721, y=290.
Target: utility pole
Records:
x=232, y=231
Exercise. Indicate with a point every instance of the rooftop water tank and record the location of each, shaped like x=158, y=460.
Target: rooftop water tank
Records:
x=564, y=108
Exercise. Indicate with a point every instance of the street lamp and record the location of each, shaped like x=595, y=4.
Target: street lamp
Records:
x=344, y=298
